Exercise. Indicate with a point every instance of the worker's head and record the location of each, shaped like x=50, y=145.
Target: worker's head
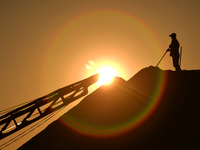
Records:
x=173, y=35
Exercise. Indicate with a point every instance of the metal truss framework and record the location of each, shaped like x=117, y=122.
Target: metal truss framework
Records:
x=43, y=106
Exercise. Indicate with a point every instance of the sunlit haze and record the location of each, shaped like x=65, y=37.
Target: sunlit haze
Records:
x=49, y=44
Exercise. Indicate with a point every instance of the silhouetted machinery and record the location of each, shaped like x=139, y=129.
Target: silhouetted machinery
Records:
x=43, y=106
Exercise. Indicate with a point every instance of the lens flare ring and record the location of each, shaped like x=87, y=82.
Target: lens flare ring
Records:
x=125, y=126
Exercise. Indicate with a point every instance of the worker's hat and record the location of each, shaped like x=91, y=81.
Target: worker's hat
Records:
x=173, y=35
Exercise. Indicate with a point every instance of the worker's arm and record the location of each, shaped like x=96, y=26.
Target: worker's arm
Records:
x=168, y=50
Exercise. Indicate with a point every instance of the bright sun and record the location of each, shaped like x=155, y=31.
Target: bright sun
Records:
x=106, y=75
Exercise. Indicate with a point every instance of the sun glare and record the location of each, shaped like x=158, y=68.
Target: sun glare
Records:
x=106, y=76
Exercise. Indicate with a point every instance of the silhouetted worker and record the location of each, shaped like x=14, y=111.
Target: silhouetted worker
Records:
x=174, y=51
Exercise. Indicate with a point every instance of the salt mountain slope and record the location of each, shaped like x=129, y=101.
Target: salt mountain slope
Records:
x=173, y=124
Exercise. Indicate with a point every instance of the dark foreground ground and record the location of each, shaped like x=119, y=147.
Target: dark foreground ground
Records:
x=174, y=123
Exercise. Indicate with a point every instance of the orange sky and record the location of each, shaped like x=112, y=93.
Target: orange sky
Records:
x=46, y=44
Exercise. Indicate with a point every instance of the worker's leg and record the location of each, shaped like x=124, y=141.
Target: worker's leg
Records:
x=176, y=63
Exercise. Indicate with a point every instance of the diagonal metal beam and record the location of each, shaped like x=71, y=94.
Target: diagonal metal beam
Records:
x=50, y=99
